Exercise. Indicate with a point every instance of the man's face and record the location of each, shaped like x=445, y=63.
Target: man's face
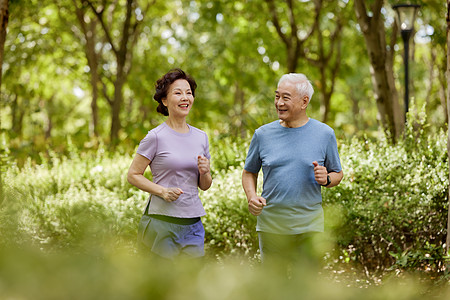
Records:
x=288, y=102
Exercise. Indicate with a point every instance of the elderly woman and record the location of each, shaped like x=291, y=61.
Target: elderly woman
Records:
x=178, y=156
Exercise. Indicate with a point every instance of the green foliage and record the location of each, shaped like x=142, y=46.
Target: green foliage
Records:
x=230, y=47
x=30, y=274
x=389, y=212
x=230, y=228
x=64, y=201
x=393, y=201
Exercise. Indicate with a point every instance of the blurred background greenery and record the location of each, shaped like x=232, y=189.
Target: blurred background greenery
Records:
x=76, y=98
x=86, y=69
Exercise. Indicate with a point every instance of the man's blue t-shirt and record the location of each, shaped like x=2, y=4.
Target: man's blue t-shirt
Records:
x=294, y=200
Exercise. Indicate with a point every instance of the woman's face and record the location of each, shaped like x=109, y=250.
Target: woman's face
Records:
x=179, y=98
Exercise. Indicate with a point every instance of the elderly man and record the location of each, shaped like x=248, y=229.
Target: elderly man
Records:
x=298, y=156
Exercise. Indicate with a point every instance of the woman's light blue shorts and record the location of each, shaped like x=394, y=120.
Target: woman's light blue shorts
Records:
x=170, y=240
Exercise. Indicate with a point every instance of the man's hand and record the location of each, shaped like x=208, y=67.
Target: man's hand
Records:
x=320, y=173
x=256, y=205
x=171, y=194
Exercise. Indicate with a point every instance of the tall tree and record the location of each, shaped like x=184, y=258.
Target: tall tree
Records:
x=121, y=30
x=320, y=44
x=4, y=16
x=88, y=28
x=371, y=22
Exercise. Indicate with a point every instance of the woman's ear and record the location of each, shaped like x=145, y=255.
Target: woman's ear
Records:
x=164, y=101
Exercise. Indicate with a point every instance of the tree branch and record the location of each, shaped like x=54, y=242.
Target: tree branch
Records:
x=276, y=23
x=317, y=9
x=99, y=15
x=376, y=8
x=390, y=53
x=334, y=39
x=105, y=94
x=292, y=18
x=361, y=15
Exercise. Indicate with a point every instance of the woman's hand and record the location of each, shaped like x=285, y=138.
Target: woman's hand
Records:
x=203, y=165
x=171, y=194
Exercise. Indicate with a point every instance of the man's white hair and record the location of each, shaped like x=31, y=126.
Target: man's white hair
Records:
x=303, y=85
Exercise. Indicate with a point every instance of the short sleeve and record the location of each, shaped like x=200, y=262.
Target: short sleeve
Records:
x=207, y=154
x=332, y=160
x=253, y=161
x=148, y=145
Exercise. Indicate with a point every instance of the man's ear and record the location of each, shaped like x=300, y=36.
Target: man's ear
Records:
x=305, y=102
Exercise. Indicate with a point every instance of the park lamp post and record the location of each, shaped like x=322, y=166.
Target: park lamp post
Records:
x=406, y=15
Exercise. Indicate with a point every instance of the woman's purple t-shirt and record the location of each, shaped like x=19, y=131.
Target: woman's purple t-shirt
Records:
x=173, y=163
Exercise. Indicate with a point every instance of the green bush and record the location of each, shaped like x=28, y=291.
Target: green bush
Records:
x=393, y=201
x=389, y=211
x=69, y=203
x=230, y=228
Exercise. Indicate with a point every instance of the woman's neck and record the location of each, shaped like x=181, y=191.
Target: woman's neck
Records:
x=179, y=125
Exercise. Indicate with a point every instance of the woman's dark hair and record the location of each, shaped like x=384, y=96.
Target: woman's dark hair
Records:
x=163, y=84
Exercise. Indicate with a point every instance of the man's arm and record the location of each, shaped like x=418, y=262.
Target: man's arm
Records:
x=249, y=183
x=335, y=178
x=320, y=174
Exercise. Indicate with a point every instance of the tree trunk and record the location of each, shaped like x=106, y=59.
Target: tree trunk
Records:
x=239, y=108
x=432, y=65
x=442, y=80
x=48, y=112
x=448, y=112
x=116, y=108
x=93, y=62
x=4, y=16
x=122, y=51
x=17, y=114
x=356, y=113
x=292, y=59
x=89, y=33
x=381, y=60
x=325, y=105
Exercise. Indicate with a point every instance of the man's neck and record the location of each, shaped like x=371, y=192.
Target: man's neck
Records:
x=295, y=123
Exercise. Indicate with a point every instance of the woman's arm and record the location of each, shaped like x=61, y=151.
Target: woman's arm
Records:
x=204, y=169
x=136, y=177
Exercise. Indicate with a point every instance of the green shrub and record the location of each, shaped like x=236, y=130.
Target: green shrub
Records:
x=393, y=201
x=389, y=211
x=70, y=203
x=230, y=228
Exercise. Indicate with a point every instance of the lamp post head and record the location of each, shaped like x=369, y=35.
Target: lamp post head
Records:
x=406, y=15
